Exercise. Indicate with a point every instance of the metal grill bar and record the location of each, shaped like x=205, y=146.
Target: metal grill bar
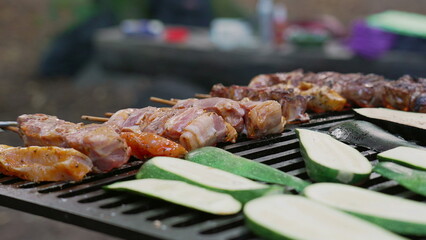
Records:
x=129, y=216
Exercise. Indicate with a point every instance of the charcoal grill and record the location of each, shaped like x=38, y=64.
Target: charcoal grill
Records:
x=129, y=216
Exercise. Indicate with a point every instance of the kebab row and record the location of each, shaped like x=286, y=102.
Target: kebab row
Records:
x=298, y=92
x=60, y=150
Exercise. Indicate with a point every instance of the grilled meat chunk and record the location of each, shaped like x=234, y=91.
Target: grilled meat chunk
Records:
x=44, y=163
x=263, y=118
x=144, y=145
x=406, y=93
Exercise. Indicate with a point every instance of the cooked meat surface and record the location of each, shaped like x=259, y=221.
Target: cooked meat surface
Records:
x=38, y=164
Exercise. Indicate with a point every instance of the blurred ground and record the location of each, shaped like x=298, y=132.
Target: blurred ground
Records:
x=92, y=92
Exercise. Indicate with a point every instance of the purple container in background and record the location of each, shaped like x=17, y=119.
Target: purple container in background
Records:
x=370, y=42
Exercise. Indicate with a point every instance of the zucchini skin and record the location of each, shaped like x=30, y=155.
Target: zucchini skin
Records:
x=226, y=161
x=417, y=134
x=150, y=170
x=394, y=225
x=411, y=179
x=154, y=196
x=263, y=231
x=383, y=158
x=321, y=173
x=366, y=134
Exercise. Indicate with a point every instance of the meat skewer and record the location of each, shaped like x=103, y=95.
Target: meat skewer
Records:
x=101, y=143
x=328, y=91
x=370, y=90
x=190, y=127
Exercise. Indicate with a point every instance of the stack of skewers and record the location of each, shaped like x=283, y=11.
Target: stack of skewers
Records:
x=59, y=150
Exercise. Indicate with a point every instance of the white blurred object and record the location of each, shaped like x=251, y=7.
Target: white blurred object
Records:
x=229, y=33
x=265, y=12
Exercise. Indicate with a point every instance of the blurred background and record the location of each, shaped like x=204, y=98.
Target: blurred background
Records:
x=74, y=57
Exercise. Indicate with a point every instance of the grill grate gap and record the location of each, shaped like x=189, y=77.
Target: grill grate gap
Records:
x=170, y=212
x=146, y=204
x=197, y=218
x=11, y=180
x=245, y=236
x=284, y=160
x=99, y=197
x=248, y=144
x=270, y=150
x=121, y=200
x=224, y=227
x=294, y=166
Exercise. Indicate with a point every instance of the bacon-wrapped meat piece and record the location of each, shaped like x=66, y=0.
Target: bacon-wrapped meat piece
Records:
x=230, y=110
x=102, y=144
x=253, y=118
x=293, y=105
x=44, y=163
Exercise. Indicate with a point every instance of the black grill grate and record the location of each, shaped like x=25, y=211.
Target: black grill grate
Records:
x=129, y=216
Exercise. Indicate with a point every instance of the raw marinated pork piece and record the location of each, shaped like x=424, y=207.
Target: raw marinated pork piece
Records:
x=252, y=118
x=293, y=105
x=208, y=129
x=230, y=110
x=102, y=144
x=44, y=163
x=45, y=130
x=171, y=123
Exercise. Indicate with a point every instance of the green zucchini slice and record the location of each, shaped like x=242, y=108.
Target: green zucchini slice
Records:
x=328, y=160
x=240, y=188
x=411, y=179
x=411, y=157
x=366, y=134
x=393, y=213
x=224, y=160
x=296, y=217
x=181, y=193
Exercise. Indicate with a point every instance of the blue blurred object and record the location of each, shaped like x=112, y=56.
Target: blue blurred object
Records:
x=370, y=42
x=142, y=27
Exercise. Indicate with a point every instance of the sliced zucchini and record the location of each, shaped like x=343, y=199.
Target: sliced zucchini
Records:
x=240, y=188
x=181, y=193
x=328, y=160
x=221, y=159
x=413, y=180
x=295, y=217
x=411, y=157
x=410, y=125
x=413, y=119
x=366, y=134
x=393, y=213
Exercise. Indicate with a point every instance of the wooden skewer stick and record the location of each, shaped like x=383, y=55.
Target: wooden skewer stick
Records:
x=12, y=129
x=108, y=114
x=201, y=95
x=164, y=101
x=93, y=118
